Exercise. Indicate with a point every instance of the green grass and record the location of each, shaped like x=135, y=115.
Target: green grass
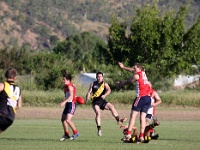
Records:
x=44, y=134
x=54, y=97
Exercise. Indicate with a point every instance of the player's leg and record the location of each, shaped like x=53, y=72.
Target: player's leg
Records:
x=65, y=128
x=72, y=126
x=114, y=112
x=142, y=125
x=131, y=124
x=144, y=104
x=97, y=111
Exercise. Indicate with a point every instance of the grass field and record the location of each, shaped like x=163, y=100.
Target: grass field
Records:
x=44, y=134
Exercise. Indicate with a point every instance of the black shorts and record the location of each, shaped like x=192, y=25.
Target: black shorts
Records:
x=149, y=116
x=7, y=116
x=100, y=102
x=5, y=123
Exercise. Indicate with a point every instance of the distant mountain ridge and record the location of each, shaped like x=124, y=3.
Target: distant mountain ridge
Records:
x=38, y=24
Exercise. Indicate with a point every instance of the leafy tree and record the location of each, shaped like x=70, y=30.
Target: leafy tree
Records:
x=161, y=43
x=117, y=41
x=14, y=57
x=48, y=68
x=191, y=43
x=85, y=49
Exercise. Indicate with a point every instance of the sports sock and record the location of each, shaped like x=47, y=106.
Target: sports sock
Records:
x=151, y=131
x=141, y=135
x=99, y=127
x=75, y=131
x=117, y=118
x=128, y=132
x=66, y=133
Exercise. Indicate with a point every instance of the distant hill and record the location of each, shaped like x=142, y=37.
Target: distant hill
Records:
x=39, y=24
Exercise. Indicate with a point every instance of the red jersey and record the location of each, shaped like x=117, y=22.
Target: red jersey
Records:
x=66, y=92
x=151, y=93
x=142, y=86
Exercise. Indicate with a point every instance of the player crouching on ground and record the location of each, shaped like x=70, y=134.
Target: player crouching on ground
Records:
x=134, y=136
x=155, y=101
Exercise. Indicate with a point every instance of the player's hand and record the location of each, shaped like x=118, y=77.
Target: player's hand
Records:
x=103, y=96
x=62, y=104
x=121, y=65
x=119, y=84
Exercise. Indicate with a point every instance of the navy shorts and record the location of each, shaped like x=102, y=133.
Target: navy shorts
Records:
x=70, y=108
x=142, y=104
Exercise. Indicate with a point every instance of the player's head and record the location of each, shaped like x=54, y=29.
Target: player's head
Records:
x=137, y=67
x=11, y=74
x=66, y=78
x=99, y=76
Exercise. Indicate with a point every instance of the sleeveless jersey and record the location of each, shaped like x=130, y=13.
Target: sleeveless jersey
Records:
x=142, y=86
x=66, y=92
x=95, y=87
x=9, y=97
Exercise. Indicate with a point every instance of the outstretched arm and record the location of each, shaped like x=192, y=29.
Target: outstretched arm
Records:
x=121, y=65
x=128, y=81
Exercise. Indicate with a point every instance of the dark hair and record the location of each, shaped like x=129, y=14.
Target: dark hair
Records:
x=67, y=76
x=11, y=73
x=99, y=73
x=139, y=65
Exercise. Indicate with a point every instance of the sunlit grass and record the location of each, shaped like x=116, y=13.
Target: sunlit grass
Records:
x=44, y=134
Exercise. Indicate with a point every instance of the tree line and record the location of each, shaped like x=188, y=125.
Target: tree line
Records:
x=161, y=42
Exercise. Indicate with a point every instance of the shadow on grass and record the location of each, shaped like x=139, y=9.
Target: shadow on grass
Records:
x=177, y=140
x=41, y=140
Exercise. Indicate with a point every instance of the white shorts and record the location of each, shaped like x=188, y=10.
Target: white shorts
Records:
x=150, y=110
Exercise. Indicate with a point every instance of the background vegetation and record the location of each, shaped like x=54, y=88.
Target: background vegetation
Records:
x=39, y=24
x=161, y=38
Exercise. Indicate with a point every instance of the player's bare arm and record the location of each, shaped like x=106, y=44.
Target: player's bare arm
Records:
x=157, y=99
x=121, y=65
x=1, y=86
x=89, y=93
x=108, y=90
x=19, y=103
x=129, y=81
